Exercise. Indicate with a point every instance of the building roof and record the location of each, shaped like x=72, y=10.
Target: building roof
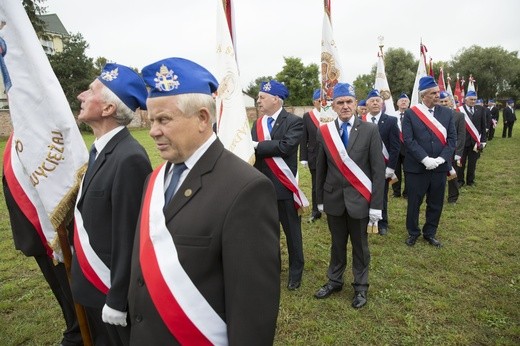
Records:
x=53, y=24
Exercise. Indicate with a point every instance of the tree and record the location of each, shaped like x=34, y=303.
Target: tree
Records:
x=33, y=10
x=74, y=69
x=300, y=80
x=496, y=70
x=400, y=68
x=364, y=83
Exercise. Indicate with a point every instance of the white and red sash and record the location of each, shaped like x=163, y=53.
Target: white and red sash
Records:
x=183, y=309
x=96, y=272
x=348, y=168
x=400, y=125
x=429, y=120
x=470, y=127
x=314, y=117
x=279, y=167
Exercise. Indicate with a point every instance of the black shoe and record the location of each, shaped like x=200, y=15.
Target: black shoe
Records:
x=315, y=217
x=411, y=240
x=397, y=195
x=360, y=299
x=433, y=241
x=452, y=202
x=293, y=285
x=326, y=290
x=383, y=230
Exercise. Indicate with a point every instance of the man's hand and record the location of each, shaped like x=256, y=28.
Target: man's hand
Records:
x=429, y=163
x=304, y=163
x=374, y=215
x=320, y=208
x=255, y=144
x=389, y=172
x=439, y=160
x=112, y=316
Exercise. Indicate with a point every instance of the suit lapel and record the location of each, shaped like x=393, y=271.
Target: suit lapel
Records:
x=279, y=120
x=102, y=157
x=193, y=182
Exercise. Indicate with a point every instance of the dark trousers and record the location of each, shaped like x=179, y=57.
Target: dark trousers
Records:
x=396, y=187
x=58, y=281
x=469, y=160
x=431, y=184
x=384, y=221
x=453, y=190
x=104, y=334
x=341, y=227
x=315, y=211
x=508, y=127
x=291, y=224
x=491, y=132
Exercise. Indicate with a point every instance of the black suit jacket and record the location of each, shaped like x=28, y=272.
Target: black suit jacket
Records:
x=389, y=131
x=285, y=138
x=109, y=205
x=460, y=128
x=494, y=113
x=333, y=190
x=226, y=233
x=478, y=119
x=308, y=146
x=420, y=141
x=509, y=115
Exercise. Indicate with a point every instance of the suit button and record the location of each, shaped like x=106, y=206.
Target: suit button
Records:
x=140, y=281
x=138, y=318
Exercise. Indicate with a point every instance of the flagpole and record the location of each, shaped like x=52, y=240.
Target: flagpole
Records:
x=80, y=310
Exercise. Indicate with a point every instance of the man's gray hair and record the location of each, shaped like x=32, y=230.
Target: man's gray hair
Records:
x=189, y=104
x=124, y=115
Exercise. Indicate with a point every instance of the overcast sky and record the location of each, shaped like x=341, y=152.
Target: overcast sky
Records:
x=137, y=33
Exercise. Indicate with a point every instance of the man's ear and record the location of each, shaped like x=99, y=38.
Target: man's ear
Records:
x=108, y=109
x=204, y=119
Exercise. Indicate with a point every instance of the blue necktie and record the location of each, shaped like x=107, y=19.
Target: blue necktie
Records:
x=92, y=156
x=270, y=124
x=374, y=120
x=176, y=176
x=344, y=134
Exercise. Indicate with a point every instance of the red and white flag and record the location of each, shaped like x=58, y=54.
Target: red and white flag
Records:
x=440, y=81
x=331, y=71
x=458, y=92
x=421, y=72
x=46, y=153
x=232, y=122
x=471, y=84
x=381, y=84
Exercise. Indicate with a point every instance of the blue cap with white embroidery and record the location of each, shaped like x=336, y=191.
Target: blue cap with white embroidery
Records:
x=275, y=88
x=126, y=84
x=344, y=89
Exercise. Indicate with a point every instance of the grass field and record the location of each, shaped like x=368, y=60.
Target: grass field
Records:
x=466, y=293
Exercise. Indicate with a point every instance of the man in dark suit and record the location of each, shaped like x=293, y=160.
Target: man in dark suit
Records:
x=206, y=260
x=445, y=100
x=402, y=105
x=308, y=146
x=350, y=178
x=509, y=119
x=108, y=203
x=429, y=137
x=493, y=110
x=389, y=132
x=27, y=240
x=476, y=136
x=281, y=144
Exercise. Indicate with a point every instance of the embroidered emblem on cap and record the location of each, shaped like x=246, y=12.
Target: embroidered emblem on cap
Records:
x=267, y=86
x=166, y=80
x=351, y=89
x=110, y=75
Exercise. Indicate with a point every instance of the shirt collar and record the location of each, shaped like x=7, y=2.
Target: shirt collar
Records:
x=101, y=142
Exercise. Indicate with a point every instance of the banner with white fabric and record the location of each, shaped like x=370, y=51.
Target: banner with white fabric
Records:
x=48, y=154
x=331, y=71
x=421, y=72
x=232, y=122
x=381, y=84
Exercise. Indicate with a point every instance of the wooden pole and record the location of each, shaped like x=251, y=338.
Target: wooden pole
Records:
x=80, y=311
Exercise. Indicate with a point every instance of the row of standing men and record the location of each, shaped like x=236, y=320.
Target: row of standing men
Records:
x=189, y=252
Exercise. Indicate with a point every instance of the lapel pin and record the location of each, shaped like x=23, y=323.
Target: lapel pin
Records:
x=187, y=193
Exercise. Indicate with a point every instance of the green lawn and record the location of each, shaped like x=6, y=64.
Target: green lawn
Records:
x=467, y=293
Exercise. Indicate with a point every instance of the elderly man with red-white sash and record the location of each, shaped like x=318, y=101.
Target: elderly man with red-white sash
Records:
x=429, y=138
x=276, y=136
x=206, y=259
x=350, y=179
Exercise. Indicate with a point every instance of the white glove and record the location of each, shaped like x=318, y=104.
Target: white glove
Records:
x=304, y=163
x=389, y=172
x=320, y=207
x=112, y=316
x=255, y=144
x=457, y=157
x=374, y=215
x=483, y=144
x=439, y=160
x=429, y=163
